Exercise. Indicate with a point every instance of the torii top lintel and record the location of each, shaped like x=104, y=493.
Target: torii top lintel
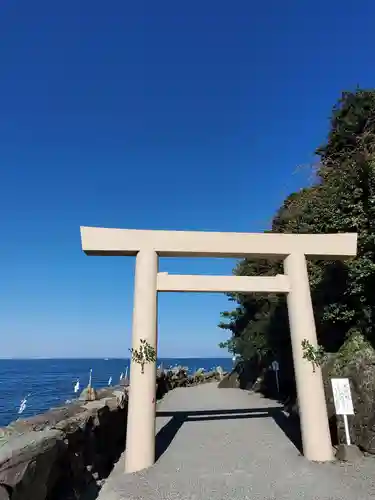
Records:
x=107, y=241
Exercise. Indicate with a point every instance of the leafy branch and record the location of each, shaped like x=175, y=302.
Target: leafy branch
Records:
x=145, y=354
x=316, y=355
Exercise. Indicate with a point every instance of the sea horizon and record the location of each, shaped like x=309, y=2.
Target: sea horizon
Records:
x=36, y=358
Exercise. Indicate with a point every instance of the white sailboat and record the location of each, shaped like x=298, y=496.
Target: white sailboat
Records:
x=110, y=381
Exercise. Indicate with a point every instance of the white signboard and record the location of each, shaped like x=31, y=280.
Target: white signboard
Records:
x=275, y=366
x=342, y=396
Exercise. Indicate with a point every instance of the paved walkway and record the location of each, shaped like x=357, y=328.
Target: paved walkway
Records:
x=227, y=444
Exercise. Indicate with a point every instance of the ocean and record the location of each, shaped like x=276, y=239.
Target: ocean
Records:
x=48, y=383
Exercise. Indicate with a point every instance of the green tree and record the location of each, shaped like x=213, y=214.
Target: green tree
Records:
x=342, y=199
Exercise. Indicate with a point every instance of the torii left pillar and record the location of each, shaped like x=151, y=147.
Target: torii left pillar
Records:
x=140, y=434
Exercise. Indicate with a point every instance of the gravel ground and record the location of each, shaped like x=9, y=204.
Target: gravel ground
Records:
x=217, y=444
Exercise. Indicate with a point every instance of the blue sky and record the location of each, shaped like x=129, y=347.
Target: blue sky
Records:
x=109, y=107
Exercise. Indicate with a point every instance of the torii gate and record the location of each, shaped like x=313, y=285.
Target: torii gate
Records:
x=293, y=249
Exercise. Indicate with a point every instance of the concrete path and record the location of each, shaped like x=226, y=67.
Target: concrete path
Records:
x=216, y=444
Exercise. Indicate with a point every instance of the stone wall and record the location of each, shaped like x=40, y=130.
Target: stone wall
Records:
x=61, y=453
x=67, y=452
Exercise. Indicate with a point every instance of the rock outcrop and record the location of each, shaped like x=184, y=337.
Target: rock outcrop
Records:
x=88, y=394
x=245, y=375
x=356, y=361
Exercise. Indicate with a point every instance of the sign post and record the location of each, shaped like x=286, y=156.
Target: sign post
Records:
x=342, y=398
x=275, y=367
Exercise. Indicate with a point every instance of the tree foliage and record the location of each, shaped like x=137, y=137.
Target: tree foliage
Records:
x=341, y=199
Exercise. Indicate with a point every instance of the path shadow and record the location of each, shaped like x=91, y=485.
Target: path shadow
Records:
x=289, y=425
x=167, y=433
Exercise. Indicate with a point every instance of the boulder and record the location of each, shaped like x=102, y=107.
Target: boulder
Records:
x=4, y=493
x=356, y=361
x=121, y=397
x=26, y=462
x=124, y=382
x=88, y=394
x=229, y=381
x=178, y=377
x=163, y=385
x=245, y=375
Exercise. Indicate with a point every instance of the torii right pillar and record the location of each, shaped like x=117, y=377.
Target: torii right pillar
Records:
x=316, y=438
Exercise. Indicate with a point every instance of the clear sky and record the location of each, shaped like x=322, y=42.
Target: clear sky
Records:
x=153, y=115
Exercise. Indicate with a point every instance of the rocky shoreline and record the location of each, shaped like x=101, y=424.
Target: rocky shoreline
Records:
x=67, y=452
